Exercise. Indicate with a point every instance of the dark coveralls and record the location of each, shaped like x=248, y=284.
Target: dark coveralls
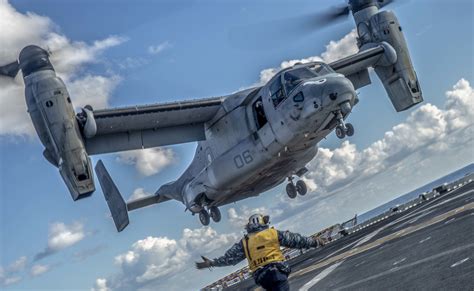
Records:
x=273, y=276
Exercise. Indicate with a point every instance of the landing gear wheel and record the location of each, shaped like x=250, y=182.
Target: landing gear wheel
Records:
x=349, y=129
x=204, y=217
x=291, y=190
x=215, y=213
x=301, y=187
x=340, y=132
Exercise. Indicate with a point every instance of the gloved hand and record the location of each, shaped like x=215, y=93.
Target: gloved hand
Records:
x=205, y=264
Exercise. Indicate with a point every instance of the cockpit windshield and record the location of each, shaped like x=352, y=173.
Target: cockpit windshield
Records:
x=293, y=77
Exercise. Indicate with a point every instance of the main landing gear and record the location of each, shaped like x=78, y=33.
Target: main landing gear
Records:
x=293, y=189
x=206, y=215
x=343, y=128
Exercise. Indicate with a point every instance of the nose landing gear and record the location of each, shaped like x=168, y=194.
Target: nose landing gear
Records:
x=292, y=190
x=343, y=128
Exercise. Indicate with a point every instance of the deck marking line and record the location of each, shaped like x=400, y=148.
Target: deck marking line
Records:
x=459, y=262
x=320, y=276
x=433, y=257
x=376, y=243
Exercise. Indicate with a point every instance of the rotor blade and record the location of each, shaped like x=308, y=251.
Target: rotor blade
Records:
x=277, y=32
x=10, y=70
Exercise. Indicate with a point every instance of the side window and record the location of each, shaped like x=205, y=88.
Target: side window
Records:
x=259, y=113
x=299, y=97
x=276, y=91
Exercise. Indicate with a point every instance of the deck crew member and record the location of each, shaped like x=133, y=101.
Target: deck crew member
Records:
x=261, y=247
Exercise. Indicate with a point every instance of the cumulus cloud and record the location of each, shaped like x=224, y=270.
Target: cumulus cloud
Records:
x=100, y=285
x=18, y=265
x=39, y=269
x=148, y=162
x=156, y=49
x=427, y=128
x=11, y=280
x=334, y=50
x=68, y=58
x=8, y=275
x=62, y=236
x=154, y=260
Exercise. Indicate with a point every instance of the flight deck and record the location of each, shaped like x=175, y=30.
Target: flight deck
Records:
x=427, y=245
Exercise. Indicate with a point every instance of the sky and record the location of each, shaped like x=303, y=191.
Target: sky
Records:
x=118, y=53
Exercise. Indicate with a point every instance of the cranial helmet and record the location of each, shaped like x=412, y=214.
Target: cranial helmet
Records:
x=257, y=222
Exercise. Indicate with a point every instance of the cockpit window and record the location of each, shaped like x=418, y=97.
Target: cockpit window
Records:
x=321, y=69
x=276, y=92
x=294, y=77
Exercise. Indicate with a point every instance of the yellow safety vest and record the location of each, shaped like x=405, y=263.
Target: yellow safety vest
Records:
x=262, y=248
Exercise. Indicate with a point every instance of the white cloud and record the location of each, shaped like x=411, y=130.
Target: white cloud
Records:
x=205, y=240
x=11, y=280
x=138, y=193
x=18, y=265
x=100, y=285
x=427, y=128
x=334, y=50
x=163, y=263
x=93, y=90
x=69, y=57
x=148, y=161
x=156, y=49
x=39, y=269
x=62, y=236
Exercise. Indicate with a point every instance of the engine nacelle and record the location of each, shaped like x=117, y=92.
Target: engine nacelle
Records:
x=399, y=78
x=53, y=117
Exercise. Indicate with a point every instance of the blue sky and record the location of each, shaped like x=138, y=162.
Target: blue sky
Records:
x=118, y=53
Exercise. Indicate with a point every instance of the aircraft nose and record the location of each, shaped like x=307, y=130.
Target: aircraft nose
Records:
x=338, y=90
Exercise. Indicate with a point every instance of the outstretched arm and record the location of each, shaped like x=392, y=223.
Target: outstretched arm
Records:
x=297, y=241
x=232, y=257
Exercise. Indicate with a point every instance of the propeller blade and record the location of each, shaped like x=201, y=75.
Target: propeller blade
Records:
x=10, y=70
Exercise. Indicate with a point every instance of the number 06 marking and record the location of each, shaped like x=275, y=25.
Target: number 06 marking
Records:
x=242, y=159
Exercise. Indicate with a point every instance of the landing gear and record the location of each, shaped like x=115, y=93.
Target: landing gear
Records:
x=301, y=187
x=204, y=217
x=215, y=213
x=343, y=128
x=291, y=190
x=340, y=132
x=349, y=129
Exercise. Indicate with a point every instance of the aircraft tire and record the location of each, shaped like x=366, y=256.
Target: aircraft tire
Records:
x=291, y=190
x=204, y=217
x=215, y=213
x=340, y=133
x=349, y=129
x=301, y=187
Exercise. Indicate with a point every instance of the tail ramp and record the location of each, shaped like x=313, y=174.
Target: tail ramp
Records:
x=117, y=206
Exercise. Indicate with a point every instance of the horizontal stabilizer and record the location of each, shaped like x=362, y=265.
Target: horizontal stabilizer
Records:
x=117, y=205
x=145, y=201
x=10, y=70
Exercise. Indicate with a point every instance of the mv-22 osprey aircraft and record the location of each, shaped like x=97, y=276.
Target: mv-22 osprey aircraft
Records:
x=247, y=142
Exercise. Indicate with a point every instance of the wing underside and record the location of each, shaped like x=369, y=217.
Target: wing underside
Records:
x=148, y=126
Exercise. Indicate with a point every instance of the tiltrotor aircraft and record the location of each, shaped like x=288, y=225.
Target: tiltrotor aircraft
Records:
x=247, y=142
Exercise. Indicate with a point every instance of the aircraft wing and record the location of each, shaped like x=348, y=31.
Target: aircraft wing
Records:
x=354, y=67
x=146, y=126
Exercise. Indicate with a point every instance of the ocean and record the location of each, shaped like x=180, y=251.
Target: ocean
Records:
x=456, y=175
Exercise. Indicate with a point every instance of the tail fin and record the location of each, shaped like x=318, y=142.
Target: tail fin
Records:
x=117, y=206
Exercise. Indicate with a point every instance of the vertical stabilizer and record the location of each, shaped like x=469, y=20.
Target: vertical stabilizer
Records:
x=117, y=206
